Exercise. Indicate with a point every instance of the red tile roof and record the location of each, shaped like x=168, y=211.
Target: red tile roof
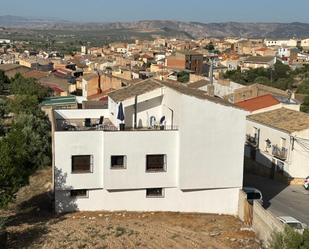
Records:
x=258, y=103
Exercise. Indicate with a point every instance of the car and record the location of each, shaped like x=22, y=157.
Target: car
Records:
x=292, y=222
x=253, y=194
x=306, y=183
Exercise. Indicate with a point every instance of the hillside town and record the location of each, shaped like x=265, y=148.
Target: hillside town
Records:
x=134, y=131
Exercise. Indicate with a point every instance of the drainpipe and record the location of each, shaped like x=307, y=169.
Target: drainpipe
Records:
x=135, y=112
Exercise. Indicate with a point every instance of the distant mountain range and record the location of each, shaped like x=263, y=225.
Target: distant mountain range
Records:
x=192, y=29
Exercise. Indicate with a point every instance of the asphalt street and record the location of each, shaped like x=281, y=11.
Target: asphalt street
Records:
x=281, y=199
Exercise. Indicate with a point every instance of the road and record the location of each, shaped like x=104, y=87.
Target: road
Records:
x=281, y=199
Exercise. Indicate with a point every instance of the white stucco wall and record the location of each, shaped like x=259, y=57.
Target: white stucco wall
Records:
x=211, y=143
x=141, y=144
x=265, y=157
x=300, y=155
x=224, y=201
x=68, y=144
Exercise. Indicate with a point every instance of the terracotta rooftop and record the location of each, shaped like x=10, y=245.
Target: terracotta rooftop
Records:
x=283, y=119
x=36, y=74
x=258, y=103
x=259, y=59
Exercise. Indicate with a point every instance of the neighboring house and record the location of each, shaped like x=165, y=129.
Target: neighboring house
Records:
x=280, y=43
x=189, y=60
x=191, y=161
x=305, y=44
x=253, y=62
x=279, y=140
x=260, y=104
x=254, y=90
x=11, y=69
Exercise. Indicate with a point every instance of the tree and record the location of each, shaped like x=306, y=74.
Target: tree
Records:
x=28, y=86
x=4, y=82
x=290, y=239
x=27, y=145
x=262, y=80
x=23, y=150
x=210, y=46
x=24, y=104
x=305, y=106
x=303, y=87
x=183, y=77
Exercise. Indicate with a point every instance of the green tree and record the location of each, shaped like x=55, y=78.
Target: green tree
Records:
x=210, y=46
x=303, y=87
x=23, y=150
x=4, y=82
x=28, y=86
x=183, y=77
x=262, y=80
x=305, y=106
x=290, y=239
x=24, y=104
x=27, y=145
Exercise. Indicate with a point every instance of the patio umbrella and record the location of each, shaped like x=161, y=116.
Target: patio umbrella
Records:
x=120, y=115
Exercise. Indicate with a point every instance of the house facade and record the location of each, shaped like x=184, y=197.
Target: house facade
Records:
x=279, y=139
x=175, y=150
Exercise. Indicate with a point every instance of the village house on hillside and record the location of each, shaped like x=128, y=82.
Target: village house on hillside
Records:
x=279, y=140
x=160, y=146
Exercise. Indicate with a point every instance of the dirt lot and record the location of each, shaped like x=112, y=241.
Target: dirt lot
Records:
x=32, y=225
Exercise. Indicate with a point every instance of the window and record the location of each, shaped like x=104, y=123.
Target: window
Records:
x=118, y=162
x=79, y=193
x=283, y=142
x=155, y=163
x=154, y=192
x=82, y=164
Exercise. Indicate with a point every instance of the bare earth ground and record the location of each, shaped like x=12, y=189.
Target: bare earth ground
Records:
x=32, y=225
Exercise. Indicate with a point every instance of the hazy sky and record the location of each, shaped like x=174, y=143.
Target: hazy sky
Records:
x=184, y=10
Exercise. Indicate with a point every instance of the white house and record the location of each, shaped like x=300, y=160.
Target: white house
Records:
x=286, y=43
x=279, y=139
x=180, y=150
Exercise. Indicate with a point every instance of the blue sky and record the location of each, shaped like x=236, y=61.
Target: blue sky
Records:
x=183, y=10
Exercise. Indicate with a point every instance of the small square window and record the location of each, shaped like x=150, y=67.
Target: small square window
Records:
x=118, y=162
x=155, y=163
x=81, y=193
x=154, y=192
x=82, y=164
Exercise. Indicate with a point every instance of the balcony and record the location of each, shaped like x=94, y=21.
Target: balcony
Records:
x=252, y=140
x=93, y=124
x=280, y=153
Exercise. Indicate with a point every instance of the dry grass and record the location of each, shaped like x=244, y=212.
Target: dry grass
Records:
x=33, y=225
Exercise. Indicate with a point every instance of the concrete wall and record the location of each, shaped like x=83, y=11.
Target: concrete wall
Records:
x=264, y=223
x=222, y=201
